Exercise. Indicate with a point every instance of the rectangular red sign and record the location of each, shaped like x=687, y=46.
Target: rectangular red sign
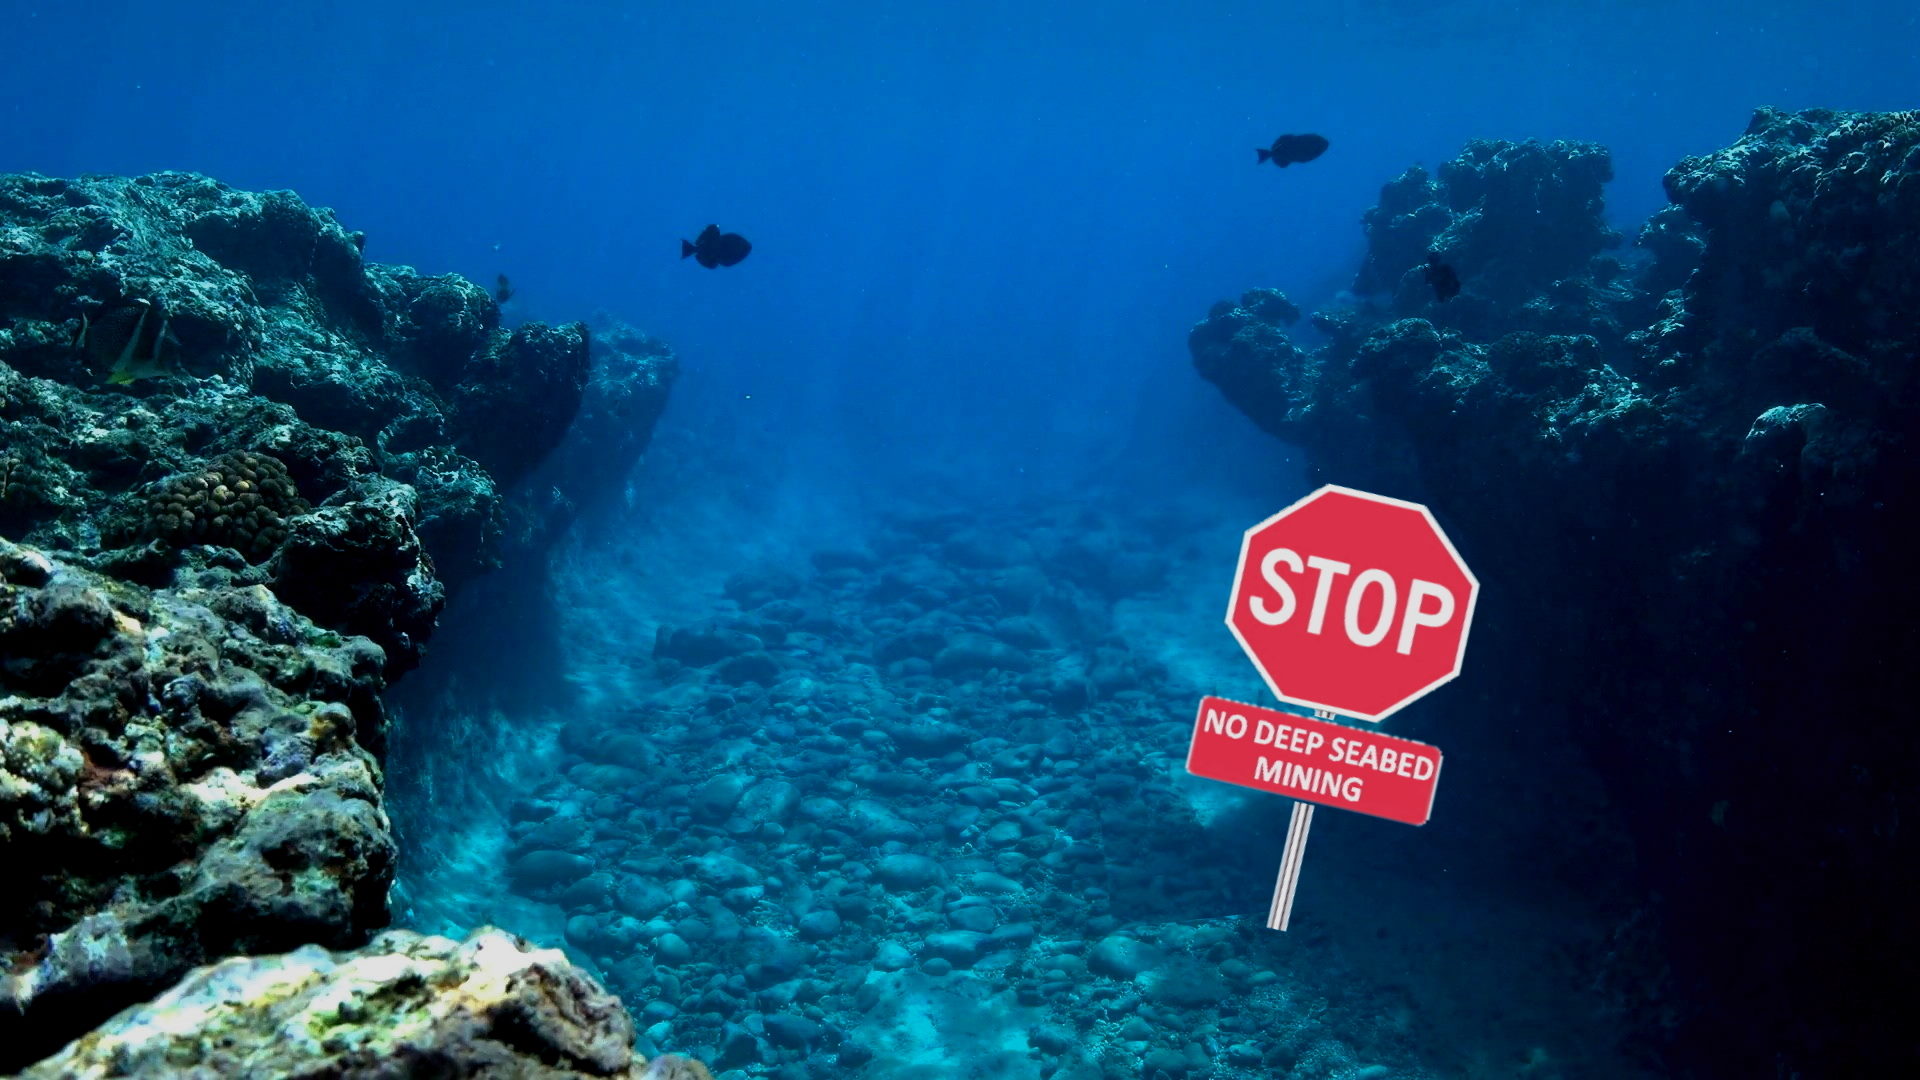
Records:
x=1315, y=761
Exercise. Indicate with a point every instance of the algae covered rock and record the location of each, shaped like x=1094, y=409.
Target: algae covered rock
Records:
x=632, y=373
x=1244, y=349
x=1705, y=467
x=405, y=1005
x=360, y=567
x=184, y=775
x=241, y=469
x=1509, y=217
x=1810, y=219
x=152, y=328
x=629, y=377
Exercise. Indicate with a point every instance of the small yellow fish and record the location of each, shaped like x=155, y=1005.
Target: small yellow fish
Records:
x=129, y=337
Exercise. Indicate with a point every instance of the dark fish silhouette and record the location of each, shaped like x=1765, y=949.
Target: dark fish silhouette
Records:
x=1292, y=150
x=715, y=248
x=502, y=289
x=129, y=339
x=1446, y=283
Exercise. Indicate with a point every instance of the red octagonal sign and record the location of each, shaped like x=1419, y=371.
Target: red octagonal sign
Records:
x=1352, y=602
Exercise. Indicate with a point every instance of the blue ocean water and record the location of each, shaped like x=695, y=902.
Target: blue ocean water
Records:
x=948, y=394
x=980, y=231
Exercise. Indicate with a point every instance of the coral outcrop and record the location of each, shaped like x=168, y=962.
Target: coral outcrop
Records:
x=632, y=373
x=405, y=1005
x=185, y=774
x=240, y=501
x=1510, y=218
x=269, y=336
x=1811, y=220
x=1695, y=478
x=624, y=396
x=241, y=468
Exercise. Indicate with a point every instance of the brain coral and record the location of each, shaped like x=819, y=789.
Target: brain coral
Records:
x=241, y=500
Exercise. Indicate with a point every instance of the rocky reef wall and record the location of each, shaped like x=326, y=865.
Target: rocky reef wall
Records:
x=405, y=1005
x=240, y=471
x=1693, y=465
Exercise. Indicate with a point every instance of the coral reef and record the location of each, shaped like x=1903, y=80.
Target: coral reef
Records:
x=632, y=373
x=405, y=1005
x=1703, y=525
x=1244, y=349
x=279, y=341
x=240, y=500
x=1509, y=217
x=1811, y=220
x=241, y=469
x=185, y=774
x=625, y=394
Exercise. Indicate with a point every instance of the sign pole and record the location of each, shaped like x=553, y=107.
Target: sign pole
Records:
x=1280, y=912
x=1346, y=602
x=1316, y=761
x=1282, y=909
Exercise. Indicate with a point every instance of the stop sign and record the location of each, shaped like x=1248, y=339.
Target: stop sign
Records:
x=1352, y=602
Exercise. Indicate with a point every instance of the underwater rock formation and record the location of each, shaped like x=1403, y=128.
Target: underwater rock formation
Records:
x=240, y=471
x=632, y=373
x=405, y=1005
x=1811, y=220
x=1704, y=528
x=1243, y=349
x=260, y=330
x=1510, y=217
x=185, y=774
x=93, y=476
